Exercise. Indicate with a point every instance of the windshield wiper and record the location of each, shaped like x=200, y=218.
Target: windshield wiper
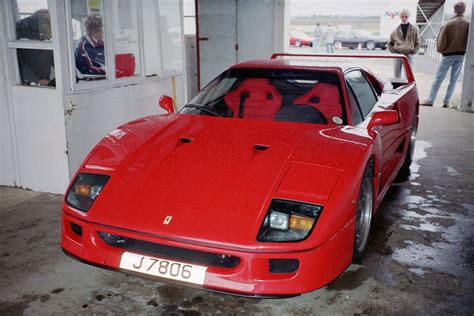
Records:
x=203, y=108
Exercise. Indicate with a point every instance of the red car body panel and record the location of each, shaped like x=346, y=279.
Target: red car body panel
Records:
x=219, y=189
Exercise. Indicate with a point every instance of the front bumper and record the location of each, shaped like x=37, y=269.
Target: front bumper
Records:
x=251, y=277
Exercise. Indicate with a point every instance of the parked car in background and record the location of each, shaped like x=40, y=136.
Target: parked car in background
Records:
x=366, y=39
x=299, y=39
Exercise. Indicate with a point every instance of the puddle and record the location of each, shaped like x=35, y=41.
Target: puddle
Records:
x=418, y=272
x=420, y=153
x=452, y=171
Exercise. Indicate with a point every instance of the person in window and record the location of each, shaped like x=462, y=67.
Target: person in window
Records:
x=35, y=65
x=89, y=52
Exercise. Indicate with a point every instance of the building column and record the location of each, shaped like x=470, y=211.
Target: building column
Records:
x=468, y=81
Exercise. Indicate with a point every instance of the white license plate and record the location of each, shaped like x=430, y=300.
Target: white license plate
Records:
x=163, y=268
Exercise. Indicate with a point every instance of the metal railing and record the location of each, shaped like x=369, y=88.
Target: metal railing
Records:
x=431, y=51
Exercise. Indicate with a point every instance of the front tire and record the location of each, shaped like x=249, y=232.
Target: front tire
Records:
x=298, y=43
x=370, y=45
x=338, y=44
x=365, y=207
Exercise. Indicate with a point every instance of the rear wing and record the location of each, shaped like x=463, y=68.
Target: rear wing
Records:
x=403, y=58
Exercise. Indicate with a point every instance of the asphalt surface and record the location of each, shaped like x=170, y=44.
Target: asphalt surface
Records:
x=420, y=258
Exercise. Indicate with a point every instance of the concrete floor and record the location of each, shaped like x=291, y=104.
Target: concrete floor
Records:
x=420, y=259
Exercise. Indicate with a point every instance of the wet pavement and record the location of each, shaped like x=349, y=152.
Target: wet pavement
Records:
x=420, y=258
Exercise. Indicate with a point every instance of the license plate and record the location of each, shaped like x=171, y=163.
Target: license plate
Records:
x=163, y=268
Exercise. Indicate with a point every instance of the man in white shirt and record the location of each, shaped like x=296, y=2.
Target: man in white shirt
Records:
x=330, y=38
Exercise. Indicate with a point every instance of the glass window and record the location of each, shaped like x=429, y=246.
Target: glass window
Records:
x=151, y=47
x=88, y=36
x=171, y=37
x=36, y=67
x=126, y=40
x=355, y=111
x=32, y=20
x=362, y=90
x=189, y=20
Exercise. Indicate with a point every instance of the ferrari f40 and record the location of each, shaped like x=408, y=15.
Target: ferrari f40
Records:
x=264, y=184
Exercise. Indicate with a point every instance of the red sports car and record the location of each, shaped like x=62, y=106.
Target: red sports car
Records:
x=299, y=39
x=263, y=185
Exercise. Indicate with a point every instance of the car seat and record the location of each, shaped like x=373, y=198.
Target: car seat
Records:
x=255, y=99
x=325, y=98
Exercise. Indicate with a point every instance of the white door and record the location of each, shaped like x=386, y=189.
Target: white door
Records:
x=217, y=49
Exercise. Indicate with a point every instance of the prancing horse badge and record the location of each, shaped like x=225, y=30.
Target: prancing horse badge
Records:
x=167, y=220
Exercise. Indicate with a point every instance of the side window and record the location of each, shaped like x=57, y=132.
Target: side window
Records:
x=362, y=90
x=33, y=42
x=125, y=38
x=355, y=111
x=88, y=36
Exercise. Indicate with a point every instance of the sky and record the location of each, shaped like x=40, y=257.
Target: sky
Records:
x=347, y=7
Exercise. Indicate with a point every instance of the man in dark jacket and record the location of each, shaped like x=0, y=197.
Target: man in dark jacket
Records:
x=451, y=43
x=89, y=52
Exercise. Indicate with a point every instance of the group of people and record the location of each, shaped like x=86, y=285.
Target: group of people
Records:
x=451, y=42
x=37, y=66
x=328, y=34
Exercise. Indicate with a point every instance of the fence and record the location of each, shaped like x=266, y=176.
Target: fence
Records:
x=431, y=51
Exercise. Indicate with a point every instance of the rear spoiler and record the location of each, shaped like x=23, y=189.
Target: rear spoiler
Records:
x=406, y=64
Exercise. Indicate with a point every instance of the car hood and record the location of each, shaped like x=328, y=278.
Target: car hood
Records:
x=213, y=176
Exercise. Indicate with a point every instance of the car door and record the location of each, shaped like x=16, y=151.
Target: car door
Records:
x=353, y=40
x=367, y=99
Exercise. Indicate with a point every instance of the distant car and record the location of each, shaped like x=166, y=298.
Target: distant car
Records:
x=366, y=39
x=299, y=39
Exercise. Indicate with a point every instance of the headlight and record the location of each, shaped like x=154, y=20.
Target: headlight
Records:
x=288, y=221
x=85, y=189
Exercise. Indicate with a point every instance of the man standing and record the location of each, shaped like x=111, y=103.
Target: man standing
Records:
x=451, y=43
x=330, y=38
x=317, y=38
x=405, y=39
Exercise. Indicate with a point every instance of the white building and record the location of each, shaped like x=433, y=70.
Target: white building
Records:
x=52, y=114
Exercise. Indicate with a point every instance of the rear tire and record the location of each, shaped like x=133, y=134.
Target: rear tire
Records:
x=370, y=45
x=298, y=43
x=411, y=148
x=337, y=44
x=365, y=207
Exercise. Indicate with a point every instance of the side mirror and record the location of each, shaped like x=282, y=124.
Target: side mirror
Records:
x=167, y=103
x=384, y=118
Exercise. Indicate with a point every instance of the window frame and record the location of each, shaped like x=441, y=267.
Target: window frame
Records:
x=355, y=95
x=111, y=81
x=13, y=44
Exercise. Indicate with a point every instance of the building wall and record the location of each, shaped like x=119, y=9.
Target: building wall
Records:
x=467, y=99
x=40, y=138
x=92, y=115
x=239, y=30
x=191, y=66
x=45, y=133
x=8, y=172
x=264, y=16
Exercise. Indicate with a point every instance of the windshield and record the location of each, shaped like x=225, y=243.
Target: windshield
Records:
x=303, y=96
